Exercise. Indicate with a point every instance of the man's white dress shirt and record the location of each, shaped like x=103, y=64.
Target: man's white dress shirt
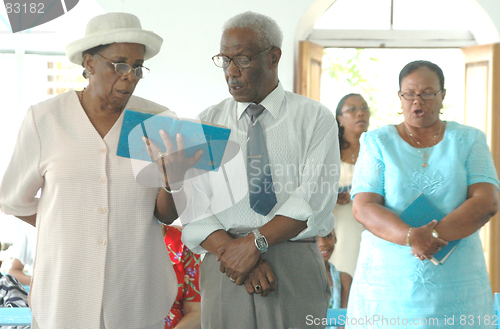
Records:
x=302, y=144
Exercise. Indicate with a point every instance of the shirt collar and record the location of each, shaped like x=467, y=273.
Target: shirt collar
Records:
x=272, y=102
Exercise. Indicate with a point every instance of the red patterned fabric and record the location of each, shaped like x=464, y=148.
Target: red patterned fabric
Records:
x=187, y=268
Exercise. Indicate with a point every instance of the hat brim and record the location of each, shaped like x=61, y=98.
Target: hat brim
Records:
x=150, y=40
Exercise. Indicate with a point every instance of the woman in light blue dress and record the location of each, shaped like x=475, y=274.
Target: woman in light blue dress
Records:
x=395, y=284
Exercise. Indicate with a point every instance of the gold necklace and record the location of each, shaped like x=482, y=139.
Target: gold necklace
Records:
x=425, y=155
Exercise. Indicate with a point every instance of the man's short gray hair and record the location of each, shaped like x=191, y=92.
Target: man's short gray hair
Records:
x=268, y=32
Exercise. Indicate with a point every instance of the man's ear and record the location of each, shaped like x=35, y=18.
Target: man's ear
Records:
x=275, y=56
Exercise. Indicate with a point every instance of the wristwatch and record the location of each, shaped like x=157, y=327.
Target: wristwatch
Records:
x=260, y=241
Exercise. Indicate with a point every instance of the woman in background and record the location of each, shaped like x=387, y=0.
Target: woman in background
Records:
x=353, y=117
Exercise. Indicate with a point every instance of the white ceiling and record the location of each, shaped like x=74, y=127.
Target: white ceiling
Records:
x=400, y=23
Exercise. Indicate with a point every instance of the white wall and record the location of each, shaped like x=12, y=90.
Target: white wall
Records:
x=492, y=9
x=183, y=76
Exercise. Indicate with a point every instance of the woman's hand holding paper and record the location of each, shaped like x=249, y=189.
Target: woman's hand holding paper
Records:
x=173, y=163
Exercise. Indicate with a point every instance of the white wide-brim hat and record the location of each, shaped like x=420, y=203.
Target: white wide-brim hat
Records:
x=114, y=28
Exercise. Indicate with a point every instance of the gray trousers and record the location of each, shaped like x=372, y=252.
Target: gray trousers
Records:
x=303, y=292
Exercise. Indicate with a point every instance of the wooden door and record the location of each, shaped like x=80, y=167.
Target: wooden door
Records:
x=482, y=110
x=310, y=69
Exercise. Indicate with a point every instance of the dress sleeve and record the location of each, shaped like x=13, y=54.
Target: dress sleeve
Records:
x=479, y=163
x=23, y=178
x=191, y=276
x=369, y=170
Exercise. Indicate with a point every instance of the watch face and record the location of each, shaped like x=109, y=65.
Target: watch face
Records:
x=261, y=243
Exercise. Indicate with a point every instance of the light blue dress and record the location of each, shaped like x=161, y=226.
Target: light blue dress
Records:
x=336, y=289
x=393, y=289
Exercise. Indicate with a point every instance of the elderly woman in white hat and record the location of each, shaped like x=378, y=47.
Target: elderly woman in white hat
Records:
x=101, y=261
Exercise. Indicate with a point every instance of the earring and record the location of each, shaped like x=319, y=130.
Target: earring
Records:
x=85, y=73
x=400, y=112
x=441, y=111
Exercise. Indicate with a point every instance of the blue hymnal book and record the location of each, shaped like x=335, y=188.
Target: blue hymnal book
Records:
x=212, y=139
x=420, y=212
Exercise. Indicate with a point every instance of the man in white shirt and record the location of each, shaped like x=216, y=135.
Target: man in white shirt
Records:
x=280, y=266
x=24, y=255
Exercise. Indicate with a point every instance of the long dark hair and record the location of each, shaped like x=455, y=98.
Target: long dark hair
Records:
x=344, y=144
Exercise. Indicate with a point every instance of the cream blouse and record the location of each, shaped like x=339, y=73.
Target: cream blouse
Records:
x=99, y=246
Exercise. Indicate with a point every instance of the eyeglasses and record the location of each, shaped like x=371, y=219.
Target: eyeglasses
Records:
x=122, y=69
x=425, y=96
x=241, y=62
x=354, y=109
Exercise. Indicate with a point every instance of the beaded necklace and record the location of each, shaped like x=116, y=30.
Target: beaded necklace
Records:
x=80, y=97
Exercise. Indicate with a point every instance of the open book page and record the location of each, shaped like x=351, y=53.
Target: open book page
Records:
x=138, y=123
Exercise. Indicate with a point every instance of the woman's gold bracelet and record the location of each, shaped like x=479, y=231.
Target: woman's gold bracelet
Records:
x=408, y=237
